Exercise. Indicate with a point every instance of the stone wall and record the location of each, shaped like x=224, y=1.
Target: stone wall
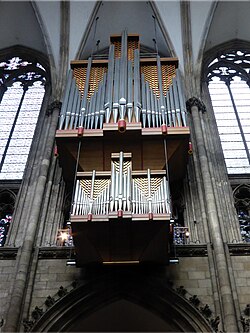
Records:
x=6, y=275
x=193, y=274
x=51, y=274
x=241, y=271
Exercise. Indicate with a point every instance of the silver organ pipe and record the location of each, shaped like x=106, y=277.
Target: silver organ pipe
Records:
x=109, y=89
x=162, y=103
x=137, y=99
x=120, y=193
x=113, y=182
x=125, y=193
x=149, y=193
x=181, y=98
x=70, y=103
x=172, y=106
x=123, y=93
x=92, y=192
x=144, y=104
x=176, y=102
x=123, y=77
x=116, y=90
x=129, y=89
x=85, y=95
x=73, y=111
x=102, y=107
x=169, y=113
x=65, y=100
x=153, y=111
x=149, y=111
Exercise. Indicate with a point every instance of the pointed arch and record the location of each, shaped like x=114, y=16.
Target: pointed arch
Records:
x=206, y=32
x=151, y=28
x=146, y=292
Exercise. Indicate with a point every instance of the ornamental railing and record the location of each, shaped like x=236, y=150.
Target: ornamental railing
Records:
x=180, y=235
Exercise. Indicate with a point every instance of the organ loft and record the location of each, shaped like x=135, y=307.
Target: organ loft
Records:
x=122, y=143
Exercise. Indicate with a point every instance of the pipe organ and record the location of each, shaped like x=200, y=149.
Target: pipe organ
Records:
x=142, y=195
x=123, y=90
x=123, y=127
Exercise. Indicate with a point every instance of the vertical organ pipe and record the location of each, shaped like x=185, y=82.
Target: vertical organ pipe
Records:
x=85, y=93
x=70, y=103
x=109, y=89
x=65, y=99
x=74, y=106
x=120, y=195
x=172, y=106
x=137, y=99
x=102, y=107
x=130, y=85
x=162, y=102
x=77, y=109
x=144, y=104
x=149, y=194
x=112, y=192
x=176, y=101
x=123, y=81
x=91, y=201
x=149, y=111
x=180, y=94
x=116, y=90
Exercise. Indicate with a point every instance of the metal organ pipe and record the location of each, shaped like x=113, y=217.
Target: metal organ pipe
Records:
x=84, y=100
x=120, y=194
x=65, y=100
x=123, y=95
x=137, y=99
x=109, y=89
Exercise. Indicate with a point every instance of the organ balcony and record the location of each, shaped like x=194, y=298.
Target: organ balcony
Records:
x=121, y=215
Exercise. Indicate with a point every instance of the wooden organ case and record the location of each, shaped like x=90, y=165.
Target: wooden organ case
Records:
x=122, y=138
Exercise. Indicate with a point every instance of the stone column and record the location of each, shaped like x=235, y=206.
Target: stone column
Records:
x=220, y=259
x=25, y=252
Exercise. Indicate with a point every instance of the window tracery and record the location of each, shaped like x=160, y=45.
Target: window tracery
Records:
x=7, y=203
x=242, y=203
x=228, y=78
x=22, y=89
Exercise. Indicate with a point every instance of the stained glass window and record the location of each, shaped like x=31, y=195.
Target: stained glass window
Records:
x=22, y=89
x=228, y=82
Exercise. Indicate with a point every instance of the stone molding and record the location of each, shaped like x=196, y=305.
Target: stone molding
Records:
x=242, y=249
x=56, y=252
x=194, y=101
x=8, y=253
x=192, y=250
x=52, y=106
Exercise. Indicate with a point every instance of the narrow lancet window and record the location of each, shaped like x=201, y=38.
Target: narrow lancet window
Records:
x=22, y=89
x=228, y=82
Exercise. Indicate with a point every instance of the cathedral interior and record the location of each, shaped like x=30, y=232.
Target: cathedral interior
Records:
x=125, y=166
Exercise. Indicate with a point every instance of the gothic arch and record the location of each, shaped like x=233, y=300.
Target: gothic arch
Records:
x=211, y=54
x=7, y=202
x=148, y=293
x=241, y=196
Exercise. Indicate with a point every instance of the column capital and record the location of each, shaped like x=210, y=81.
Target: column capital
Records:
x=54, y=105
x=194, y=101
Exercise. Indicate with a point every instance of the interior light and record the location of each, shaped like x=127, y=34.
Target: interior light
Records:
x=121, y=262
x=64, y=236
x=174, y=261
x=71, y=262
